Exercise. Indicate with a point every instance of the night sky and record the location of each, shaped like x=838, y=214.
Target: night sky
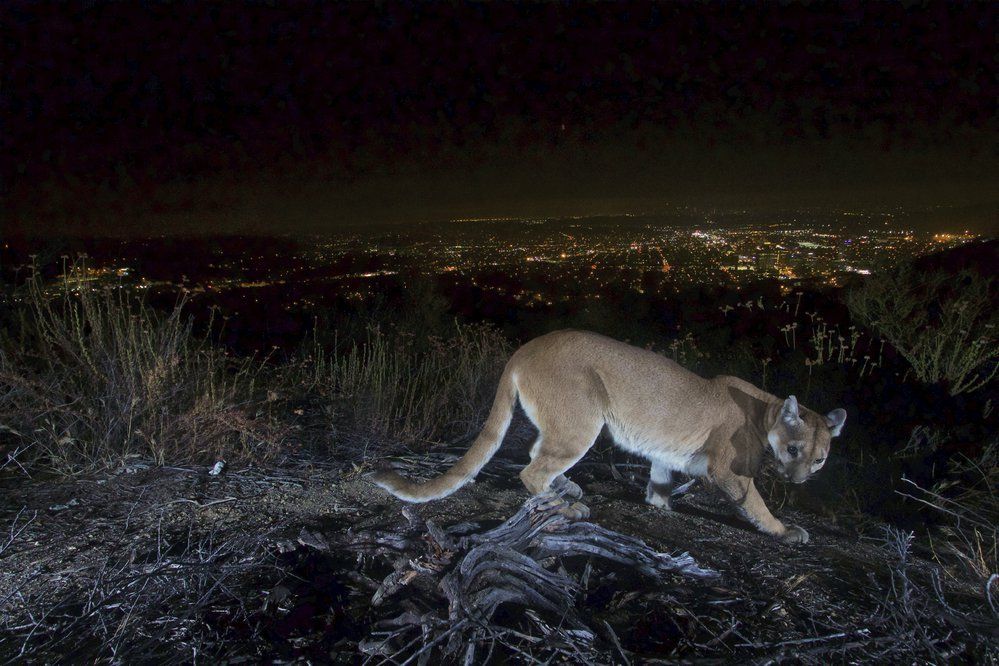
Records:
x=285, y=117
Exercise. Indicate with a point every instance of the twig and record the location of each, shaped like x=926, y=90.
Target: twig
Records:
x=457, y=627
x=12, y=458
x=200, y=505
x=967, y=515
x=16, y=531
x=616, y=642
x=988, y=592
x=817, y=639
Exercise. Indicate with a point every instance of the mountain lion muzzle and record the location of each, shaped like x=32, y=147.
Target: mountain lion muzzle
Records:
x=573, y=383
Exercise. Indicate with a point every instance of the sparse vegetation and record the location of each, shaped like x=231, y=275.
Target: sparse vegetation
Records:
x=158, y=605
x=326, y=571
x=392, y=388
x=966, y=539
x=944, y=324
x=90, y=377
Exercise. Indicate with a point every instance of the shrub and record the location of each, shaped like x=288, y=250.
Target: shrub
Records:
x=943, y=324
x=398, y=388
x=91, y=376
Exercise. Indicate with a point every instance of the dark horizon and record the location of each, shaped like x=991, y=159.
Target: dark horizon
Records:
x=242, y=118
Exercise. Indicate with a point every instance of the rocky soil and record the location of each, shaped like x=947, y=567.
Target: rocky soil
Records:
x=174, y=565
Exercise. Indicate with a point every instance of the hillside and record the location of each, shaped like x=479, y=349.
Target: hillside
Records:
x=121, y=546
x=173, y=565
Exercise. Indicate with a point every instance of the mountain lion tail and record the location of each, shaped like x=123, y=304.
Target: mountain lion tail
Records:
x=463, y=471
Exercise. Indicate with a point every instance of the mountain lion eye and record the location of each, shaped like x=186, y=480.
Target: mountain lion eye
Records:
x=819, y=461
x=792, y=451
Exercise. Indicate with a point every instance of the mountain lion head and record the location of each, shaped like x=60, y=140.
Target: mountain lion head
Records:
x=800, y=439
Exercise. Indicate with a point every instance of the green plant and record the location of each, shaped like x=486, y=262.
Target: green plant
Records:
x=943, y=324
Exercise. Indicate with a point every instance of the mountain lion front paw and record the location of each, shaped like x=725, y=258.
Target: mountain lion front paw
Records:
x=794, y=534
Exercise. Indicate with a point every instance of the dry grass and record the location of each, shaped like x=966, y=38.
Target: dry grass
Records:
x=90, y=377
x=920, y=617
x=171, y=604
x=394, y=388
x=966, y=542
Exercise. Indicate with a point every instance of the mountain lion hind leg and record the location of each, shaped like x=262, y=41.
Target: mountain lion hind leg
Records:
x=560, y=446
x=566, y=488
x=560, y=485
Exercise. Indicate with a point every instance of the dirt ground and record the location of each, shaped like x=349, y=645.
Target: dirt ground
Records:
x=171, y=564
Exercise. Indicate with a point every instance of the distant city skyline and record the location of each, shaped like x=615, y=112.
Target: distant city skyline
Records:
x=626, y=251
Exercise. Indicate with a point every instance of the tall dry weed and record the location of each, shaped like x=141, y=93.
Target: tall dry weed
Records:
x=397, y=388
x=92, y=375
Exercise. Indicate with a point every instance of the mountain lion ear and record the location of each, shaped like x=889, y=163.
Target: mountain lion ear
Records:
x=789, y=412
x=835, y=420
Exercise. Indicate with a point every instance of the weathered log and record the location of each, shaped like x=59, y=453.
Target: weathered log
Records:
x=511, y=564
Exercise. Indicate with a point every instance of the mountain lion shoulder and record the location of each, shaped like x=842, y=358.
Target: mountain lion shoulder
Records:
x=572, y=383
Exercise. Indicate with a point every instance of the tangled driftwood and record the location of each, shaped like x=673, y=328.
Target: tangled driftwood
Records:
x=518, y=564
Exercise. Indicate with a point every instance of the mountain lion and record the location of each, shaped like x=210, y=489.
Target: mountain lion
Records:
x=572, y=383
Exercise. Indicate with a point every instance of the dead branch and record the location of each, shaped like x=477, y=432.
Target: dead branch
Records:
x=513, y=564
x=17, y=527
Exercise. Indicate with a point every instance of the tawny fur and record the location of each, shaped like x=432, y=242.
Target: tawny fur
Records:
x=573, y=383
